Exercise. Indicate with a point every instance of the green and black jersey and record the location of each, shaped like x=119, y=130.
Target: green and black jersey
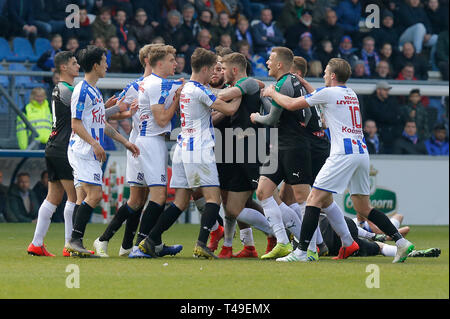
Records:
x=250, y=103
x=62, y=128
x=291, y=134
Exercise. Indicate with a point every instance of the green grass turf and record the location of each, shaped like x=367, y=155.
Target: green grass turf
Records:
x=24, y=276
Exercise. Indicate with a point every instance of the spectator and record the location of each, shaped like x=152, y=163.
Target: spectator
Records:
x=418, y=113
x=45, y=61
x=204, y=21
x=243, y=32
x=315, y=69
x=349, y=14
x=359, y=70
x=204, y=39
x=373, y=141
x=409, y=143
x=319, y=9
x=225, y=40
x=201, y=5
x=407, y=73
x=158, y=40
x=84, y=33
x=305, y=47
x=3, y=192
x=40, y=189
x=437, y=16
x=101, y=43
x=383, y=71
x=387, y=33
x=187, y=29
x=303, y=25
x=181, y=64
x=4, y=26
x=266, y=35
x=23, y=205
x=102, y=25
x=224, y=27
x=50, y=16
x=386, y=53
x=232, y=7
x=442, y=54
x=72, y=45
x=369, y=56
x=171, y=29
x=122, y=28
x=437, y=144
x=388, y=115
x=291, y=14
x=21, y=18
x=140, y=29
x=409, y=56
x=415, y=26
x=133, y=57
x=151, y=8
x=119, y=60
x=256, y=62
x=329, y=30
x=38, y=114
x=346, y=50
x=325, y=52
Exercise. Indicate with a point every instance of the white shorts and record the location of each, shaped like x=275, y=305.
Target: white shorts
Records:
x=344, y=171
x=84, y=170
x=134, y=173
x=153, y=160
x=189, y=173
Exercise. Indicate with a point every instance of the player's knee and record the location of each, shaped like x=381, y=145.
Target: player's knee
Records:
x=261, y=194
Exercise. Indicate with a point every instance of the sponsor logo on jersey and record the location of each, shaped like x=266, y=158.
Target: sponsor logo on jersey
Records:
x=97, y=177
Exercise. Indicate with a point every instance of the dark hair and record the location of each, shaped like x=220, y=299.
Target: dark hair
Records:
x=300, y=64
x=22, y=174
x=236, y=59
x=222, y=51
x=61, y=58
x=201, y=58
x=341, y=68
x=439, y=127
x=414, y=91
x=43, y=173
x=89, y=56
x=56, y=35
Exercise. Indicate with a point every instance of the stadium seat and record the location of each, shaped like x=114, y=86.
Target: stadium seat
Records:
x=5, y=50
x=23, y=80
x=4, y=81
x=23, y=50
x=41, y=45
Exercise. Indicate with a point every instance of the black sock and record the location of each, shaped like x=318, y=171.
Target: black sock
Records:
x=167, y=219
x=207, y=221
x=220, y=220
x=121, y=215
x=148, y=220
x=74, y=213
x=384, y=224
x=84, y=213
x=309, y=225
x=130, y=229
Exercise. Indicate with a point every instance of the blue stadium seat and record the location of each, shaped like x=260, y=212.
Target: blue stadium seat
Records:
x=4, y=81
x=5, y=50
x=23, y=50
x=23, y=80
x=41, y=45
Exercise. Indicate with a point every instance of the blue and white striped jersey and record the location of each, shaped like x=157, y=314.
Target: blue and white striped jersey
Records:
x=131, y=93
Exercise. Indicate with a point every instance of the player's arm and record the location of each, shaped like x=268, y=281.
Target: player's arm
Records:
x=289, y=103
x=272, y=118
x=217, y=117
x=230, y=93
x=163, y=115
x=80, y=130
x=112, y=133
x=227, y=108
x=308, y=87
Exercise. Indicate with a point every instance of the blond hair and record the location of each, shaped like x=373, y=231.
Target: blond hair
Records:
x=341, y=68
x=300, y=65
x=159, y=52
x=284, y=55
x=145, y=51
x=37, y=91
x=315, y=69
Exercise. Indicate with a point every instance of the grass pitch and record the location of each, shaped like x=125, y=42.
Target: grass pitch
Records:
x=184, y=277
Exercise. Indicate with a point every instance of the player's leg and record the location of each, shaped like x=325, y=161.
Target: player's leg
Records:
x=46, y=210
x=69, y=208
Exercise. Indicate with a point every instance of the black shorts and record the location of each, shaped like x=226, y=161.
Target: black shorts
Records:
x=239, y=177
x=294, y=167
x=320, y=151
x=58, y=168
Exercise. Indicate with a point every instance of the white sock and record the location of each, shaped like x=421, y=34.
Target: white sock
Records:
x=252, y=217
x=297, y=208
x=43, y=222
x=273, y=215
x=337, y=221
x=290, y=220
x=364, y=233
x=319, y=236
x=200, y=204
x=216, y=225
x=68, y=225
x=229, y=229
x=401, y=242
x=313, y=242
x=395, y=222
x=246, y=236
x=389, y=250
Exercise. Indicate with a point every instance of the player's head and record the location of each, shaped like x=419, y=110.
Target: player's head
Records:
x=217, y=78
x=162, y=60
x=66, y=63
x=144, y=53
x=280, y=61
x=338, y=71
x=93, y=59
x=234, y=65
x=202, y=63
x=299, y=66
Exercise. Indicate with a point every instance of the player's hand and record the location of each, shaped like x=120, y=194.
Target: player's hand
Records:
x=99, y=153
x=111, y=101
x=122, y=106
x=134, y=106
x=253, y=117
x=268, y=91
x=260, y=83
x=177, y=95
x=133, y=149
